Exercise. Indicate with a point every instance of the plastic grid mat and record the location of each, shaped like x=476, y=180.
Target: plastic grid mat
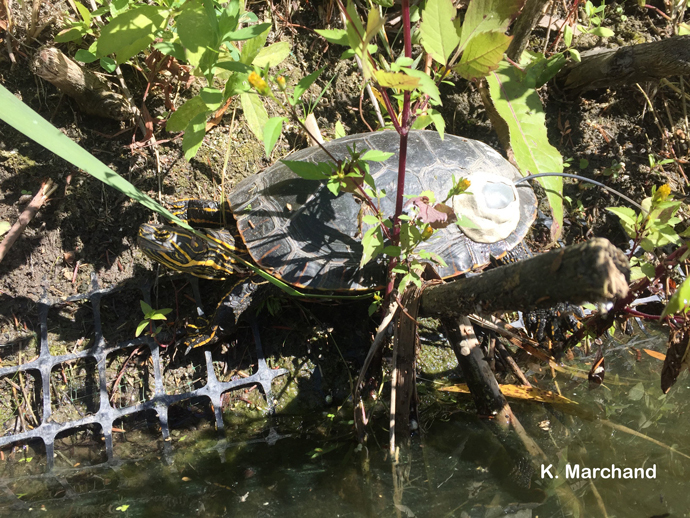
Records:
x=106, y=414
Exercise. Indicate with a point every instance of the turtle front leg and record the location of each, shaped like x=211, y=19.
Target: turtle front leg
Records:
x=241, y=303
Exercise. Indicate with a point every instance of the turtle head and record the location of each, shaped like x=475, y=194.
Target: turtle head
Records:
x=179, y=249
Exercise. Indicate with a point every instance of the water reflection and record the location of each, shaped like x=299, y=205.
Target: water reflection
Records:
x=299, y=467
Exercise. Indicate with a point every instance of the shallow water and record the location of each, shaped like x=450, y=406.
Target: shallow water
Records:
x=291, y=466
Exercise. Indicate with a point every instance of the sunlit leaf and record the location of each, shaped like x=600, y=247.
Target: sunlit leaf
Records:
x=482, y=55
x=272, y=55
x=194, y=136
x=516, y=99
x=336, y=36
x=486, y=16
x=397, y=80
x=131, y=32
x=272, y=131
x=254, y=113
x=438, y=33
x=184, y=114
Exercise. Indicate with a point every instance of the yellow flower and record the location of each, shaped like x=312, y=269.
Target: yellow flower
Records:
x=662, y=193
x=259, y=84
x=427, y=232
x=282, y=84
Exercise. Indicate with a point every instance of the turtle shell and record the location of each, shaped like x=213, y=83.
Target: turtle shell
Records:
x=297, y=230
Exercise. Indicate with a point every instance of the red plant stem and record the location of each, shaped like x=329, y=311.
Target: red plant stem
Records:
x=635, y=313
x=403, y=130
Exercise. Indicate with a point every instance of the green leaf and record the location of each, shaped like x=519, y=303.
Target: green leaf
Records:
x=272, y=131
x=625, y=214
x=602, y=32
x=482, y=55
x=438, y=120
x=85, y=56
x=397, y=80
x=197, y=34
x=254, y=113
x=339, y=130
x=247, y=33
x=228, y=19
x=159, y=314
x=333, y=185
x=438, y=32
x=185, y=113
x=170, y=48
x=304, y=85
x=194, y=136
x=567, y=35
x=354, y=28
x=74, y=33
x=679, y=300
x=375, y=155
x=4, y=227
x=212, y=97
x=487, y=16
x=306, y=170
x=108, y=64
x=84, y=12
x=145, y=308
x=370, y=220
x=545, y=68
x=336, y=36
x=131, y=32
x=392, y=251
x=372, y=244
x=272, y=55
x=234, y=66
x=117, y=7
x=516, y=99
x=252, y=47
x=426, y=84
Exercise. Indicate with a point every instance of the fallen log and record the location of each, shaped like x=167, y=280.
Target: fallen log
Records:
x=627, y=65
x=595, y=271
x=92, y=94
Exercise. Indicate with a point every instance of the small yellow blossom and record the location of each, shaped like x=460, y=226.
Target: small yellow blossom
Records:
x=662, y=193
x=427, y=233
x=463, y=185
x=282, y=84
x=259, y=84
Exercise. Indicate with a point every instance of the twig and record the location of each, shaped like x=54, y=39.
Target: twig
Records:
x=25, y=217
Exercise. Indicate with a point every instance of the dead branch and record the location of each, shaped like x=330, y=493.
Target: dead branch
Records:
x=91, y=93
x=27, y=215
x=595, y=271
x=627, y=65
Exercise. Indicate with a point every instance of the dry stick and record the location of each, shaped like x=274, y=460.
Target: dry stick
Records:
x=506, y=356
x=375, y=346
x=30, y=211
x=527, y=20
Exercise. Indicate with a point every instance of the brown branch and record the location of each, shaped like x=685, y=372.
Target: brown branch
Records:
x=595, y=271
x=27, y=215
x=628, y=65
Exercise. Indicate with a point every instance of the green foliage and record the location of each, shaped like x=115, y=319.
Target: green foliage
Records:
x=515, y=97
x=651, y=229
x=150, y=316
x=594, y=16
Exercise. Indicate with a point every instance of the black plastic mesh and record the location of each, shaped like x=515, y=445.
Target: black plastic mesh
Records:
x=105, y=414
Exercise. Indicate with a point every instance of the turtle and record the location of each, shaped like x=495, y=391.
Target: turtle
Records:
x=303, y=234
